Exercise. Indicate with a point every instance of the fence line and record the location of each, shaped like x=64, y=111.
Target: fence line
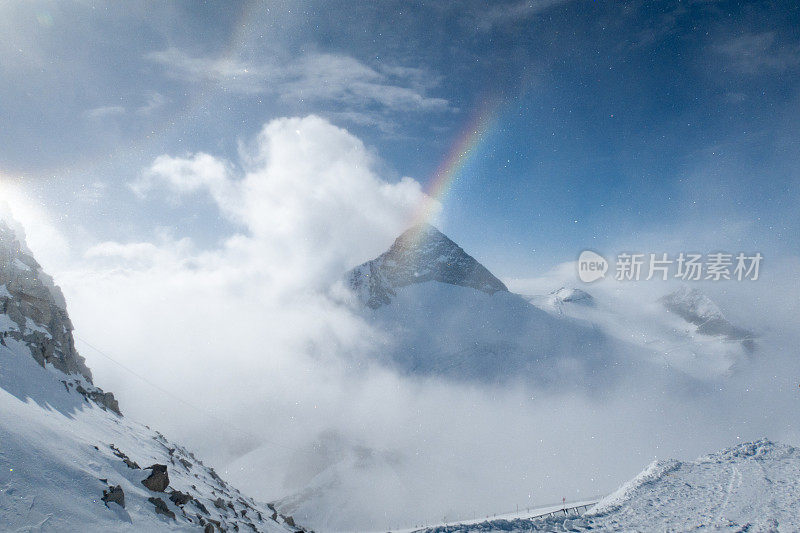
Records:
x=564, y=508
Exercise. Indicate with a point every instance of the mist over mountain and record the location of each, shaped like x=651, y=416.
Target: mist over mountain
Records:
x=442, y=325
x=444, y=360
x=446, y=315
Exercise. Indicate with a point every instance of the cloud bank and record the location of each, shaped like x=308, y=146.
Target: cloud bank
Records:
x=258, y=356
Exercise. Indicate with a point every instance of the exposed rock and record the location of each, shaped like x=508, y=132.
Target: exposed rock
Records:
x=158, y=480
x=180, y=498
x=115, y=495
x=161, y=507
x=37, y=307
x=215, y=476
x=35, y=297
x=208, y=529
x=200, y=506
x=420, y=254
x=219, y=503
x=125, y=458
x=105, y=400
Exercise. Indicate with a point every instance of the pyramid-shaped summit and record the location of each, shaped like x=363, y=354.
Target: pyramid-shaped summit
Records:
x=420, y=254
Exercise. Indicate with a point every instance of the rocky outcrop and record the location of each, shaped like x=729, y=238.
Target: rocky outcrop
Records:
x=420, y=254
x=127, y=460
x=180, y=498
x=37, y=316
x=114, y=495
x=158, y=480
x=161, y=507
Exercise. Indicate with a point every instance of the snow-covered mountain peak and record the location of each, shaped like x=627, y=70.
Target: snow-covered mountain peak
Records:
x=692, y=301
x=696, y=308
x=420, y=254
x=572, y=295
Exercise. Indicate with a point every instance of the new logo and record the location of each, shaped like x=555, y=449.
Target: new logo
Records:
x=591, y=266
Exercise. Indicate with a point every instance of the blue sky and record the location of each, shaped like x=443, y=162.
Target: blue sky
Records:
x=661, y=126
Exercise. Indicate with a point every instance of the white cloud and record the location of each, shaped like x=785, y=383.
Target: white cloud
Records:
x=307, y=188
x=154, y=102
x=105, y=111
x=510, y=13
x=312, y=77
x=752, y=53
x=238, y=74
x=248, y=325
x=200, y=172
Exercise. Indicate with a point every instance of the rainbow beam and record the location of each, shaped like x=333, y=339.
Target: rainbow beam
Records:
x=463, y=150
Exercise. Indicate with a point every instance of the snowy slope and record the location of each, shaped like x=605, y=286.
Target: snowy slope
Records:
x=750, y=487
x=59, y=453
x=68, y=460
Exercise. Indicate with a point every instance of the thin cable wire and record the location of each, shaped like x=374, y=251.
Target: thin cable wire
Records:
x=186, y=402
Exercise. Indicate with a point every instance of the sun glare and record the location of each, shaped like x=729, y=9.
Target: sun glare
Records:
x=42, y=236
x=16, y=203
